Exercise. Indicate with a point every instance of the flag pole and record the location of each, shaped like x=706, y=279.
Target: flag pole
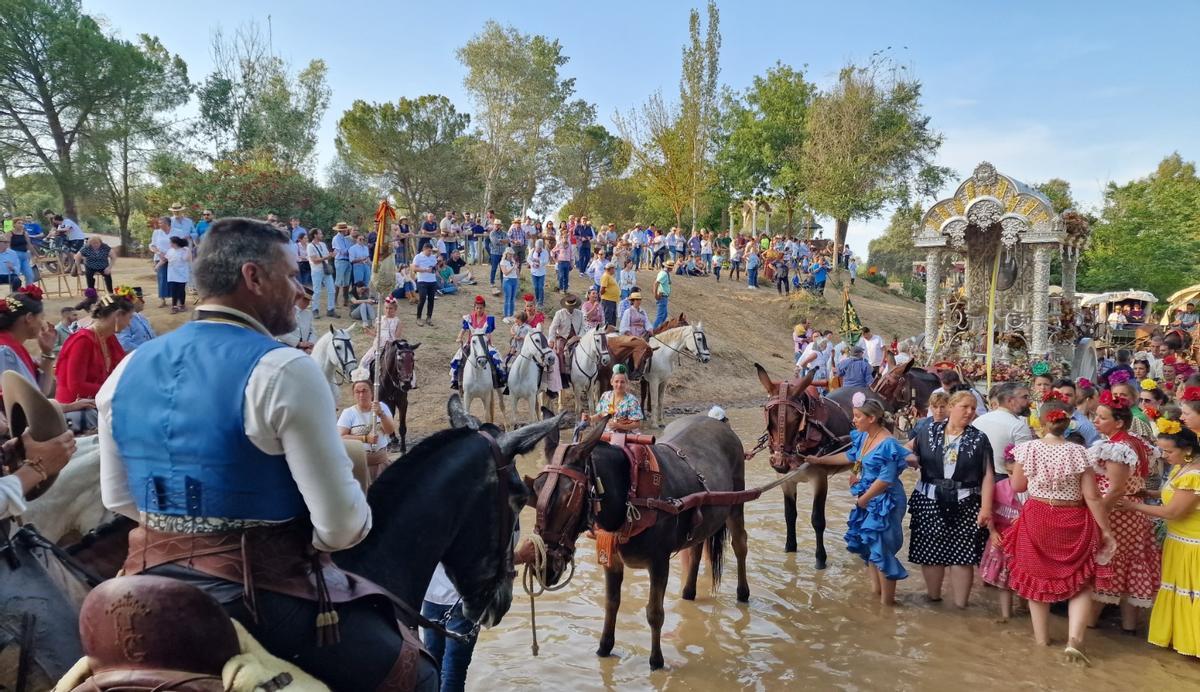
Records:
x=382, y=214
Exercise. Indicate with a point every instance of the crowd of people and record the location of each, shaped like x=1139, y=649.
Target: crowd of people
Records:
x=1053, y=490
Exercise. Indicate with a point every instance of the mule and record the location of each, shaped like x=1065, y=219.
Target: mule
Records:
x=669, y=348
x=528, y=372
x=477, y=381
x=334, y=352
x=903, y=391
x=801, y=424
x=396, y=366
x=697, y=453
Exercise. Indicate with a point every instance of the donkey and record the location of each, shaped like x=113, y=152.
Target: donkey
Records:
x=697, y=453
x=799, y=423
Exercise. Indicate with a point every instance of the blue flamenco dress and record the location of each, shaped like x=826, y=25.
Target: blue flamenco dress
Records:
x=876, y=533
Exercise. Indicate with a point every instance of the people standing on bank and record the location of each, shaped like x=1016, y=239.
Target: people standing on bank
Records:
x=321, y=260
x=662, y=293
x=424, y=267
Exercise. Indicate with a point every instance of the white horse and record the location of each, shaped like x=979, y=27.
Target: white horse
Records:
x=591, y=354
x=476, y=378
x=73, y=502
x=334, y=352
x=527, y=374
x=669, y=347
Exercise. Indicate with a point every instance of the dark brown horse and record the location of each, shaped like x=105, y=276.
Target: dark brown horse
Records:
x=632, y=352
x=903, y=390
x=396, y=366
x=802, y=423
x=587, y=484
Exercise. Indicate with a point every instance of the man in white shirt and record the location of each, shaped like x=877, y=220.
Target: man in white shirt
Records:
x=565, y=329
x=1007, y=424
x=423, y=267
x=302, y=337
x=75, y=234
x=872, y=345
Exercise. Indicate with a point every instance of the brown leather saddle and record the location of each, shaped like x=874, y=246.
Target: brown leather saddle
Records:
x=154, y=633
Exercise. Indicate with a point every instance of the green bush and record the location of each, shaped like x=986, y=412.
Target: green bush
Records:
x=913, y=289
x=877, y=279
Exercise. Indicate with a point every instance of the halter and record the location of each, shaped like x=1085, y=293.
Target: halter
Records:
x=559, y=524
x=603, y=355
x=397, y=377
x=699, y=343
x=787, y=452
x=344, y=364
x=485, y=357
x=543, y=349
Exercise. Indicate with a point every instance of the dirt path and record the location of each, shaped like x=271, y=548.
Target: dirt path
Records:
x=744, y=327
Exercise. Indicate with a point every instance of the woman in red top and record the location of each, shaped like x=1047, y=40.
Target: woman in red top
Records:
x=534, y=317
x=90, y=355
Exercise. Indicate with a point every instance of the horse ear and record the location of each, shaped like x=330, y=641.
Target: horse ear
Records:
x=908, y=366
x=765, y=379
x=552, y=437
x=592, y=435
x=332, y=330
x=459, y=417
x=806, y=380
x=351, y=327
x=523, y=439
x=531, y=498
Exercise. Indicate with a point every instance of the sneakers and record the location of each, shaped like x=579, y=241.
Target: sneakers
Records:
x=331, y=313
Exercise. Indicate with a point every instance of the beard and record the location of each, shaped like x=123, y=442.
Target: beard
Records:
x=1025, y=412
x=280, y=319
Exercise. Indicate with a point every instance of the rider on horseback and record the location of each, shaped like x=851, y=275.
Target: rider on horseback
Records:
x=477, y=322
x=635, y=321
x=217, y=439
x=565, y=329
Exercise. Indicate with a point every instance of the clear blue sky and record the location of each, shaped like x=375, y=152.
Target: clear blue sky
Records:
x=1091, y=93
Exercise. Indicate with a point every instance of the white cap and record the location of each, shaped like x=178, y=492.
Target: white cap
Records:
x=717, y=413
x=360, y=375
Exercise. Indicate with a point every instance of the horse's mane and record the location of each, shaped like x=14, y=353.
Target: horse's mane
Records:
x=431, y=448
x=671, y=333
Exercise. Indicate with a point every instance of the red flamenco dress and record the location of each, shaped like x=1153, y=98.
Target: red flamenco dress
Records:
x=1135, y=572
x=84, y=364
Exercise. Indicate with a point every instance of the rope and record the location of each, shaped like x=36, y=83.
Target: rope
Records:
x=533, y=579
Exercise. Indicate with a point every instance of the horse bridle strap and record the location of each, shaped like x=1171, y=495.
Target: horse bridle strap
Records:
x=568, y=511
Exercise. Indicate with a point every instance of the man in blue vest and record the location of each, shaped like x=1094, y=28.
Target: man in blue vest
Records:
x=247, y=484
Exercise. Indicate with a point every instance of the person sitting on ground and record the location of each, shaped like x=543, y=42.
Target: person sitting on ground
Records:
x=363, y=306
x=456, y=263
x=445, y=278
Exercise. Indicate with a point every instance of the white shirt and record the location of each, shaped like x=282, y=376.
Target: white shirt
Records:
x=873, y=348
x=538, y=262
x=440, y=590
x=179, y=264
x=425, y=265
x=285, y=411
x=316, y=251
x=359, y=423
x=74, y=232
x=160, y=241
x=303, y=331
x=12, y=497
x=564, y=321
x=1002, y=428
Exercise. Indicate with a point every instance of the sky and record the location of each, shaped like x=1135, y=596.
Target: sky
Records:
x=1092, y=93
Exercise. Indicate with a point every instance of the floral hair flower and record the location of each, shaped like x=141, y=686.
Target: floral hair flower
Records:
x=1148, y=384
x=1166, y=426
x=1084, y=383
x=1107, y=398
x=858, y=399
x=1191, y=394
x=1055, y=416
x=1119, y=377
x=1008, y=452
x=32, y=290
x=1150, y=411
x=1040, y=368
x=1055, y=395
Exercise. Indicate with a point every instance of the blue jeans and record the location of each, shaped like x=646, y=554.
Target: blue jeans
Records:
x=26, y=267
x=510, y=296
x=539, y=289
x=637, y=257
x=585, y=258
x=450, y=247
x=752, y=276
x=321, y=280
x=452, y=657
x=564, y=275
x=495, y=261
x=341, y=272
x=660, y=311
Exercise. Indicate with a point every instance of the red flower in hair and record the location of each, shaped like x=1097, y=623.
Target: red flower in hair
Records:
x=1108, y=399
x=1150, y=412
x=1055, y=416
x=32, y=290
x=1055, y=395
x=1191, y=393
x=3, y=306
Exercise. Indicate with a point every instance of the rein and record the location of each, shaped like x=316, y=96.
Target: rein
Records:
x=343, y=364
x=697, y=337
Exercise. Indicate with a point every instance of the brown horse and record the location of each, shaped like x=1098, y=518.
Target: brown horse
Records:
x=633, y=352
x=588, y=483
x=396, y=366
x=800, y=423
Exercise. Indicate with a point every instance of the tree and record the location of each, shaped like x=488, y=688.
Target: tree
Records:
x=586, y=154
x=414, y=147
x=662, y=150
x=1148, y=233
x=252, y=104
x=119, y=143
x=58, y=70
x=894, y=250
x=1058, y=191
x=868, y=145
x=615, y=200
x=763, y=135
x=698, y=98
x=519, y=97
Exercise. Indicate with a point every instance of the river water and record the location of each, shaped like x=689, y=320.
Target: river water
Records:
x=802, y=628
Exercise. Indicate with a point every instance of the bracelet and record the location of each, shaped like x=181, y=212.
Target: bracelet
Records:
x=364, y=439
x=37, y=466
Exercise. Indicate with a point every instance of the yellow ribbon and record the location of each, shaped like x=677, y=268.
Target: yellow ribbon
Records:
x=991, y=320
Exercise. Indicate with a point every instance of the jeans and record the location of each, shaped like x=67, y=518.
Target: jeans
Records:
x=451, y=656
x=610, y=311
x=427, y=290
x=539, y=289
x=735, y=269
x=364, y=312
x=752, y=276
x=305, y=274
x=781, y=284
x=495, y=262
x=341, y=272
x=660, y=312
x=361, y=273
x=510, y=296
x=637, y=257
x=450, y=247
x=564, y=275
x=585, y=258
x=164, y=291
x=320, y=281
x=27, y=268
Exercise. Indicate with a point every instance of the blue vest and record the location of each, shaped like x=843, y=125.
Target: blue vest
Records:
x=177, y=419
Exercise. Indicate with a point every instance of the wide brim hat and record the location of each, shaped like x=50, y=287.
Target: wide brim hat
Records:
x=635, y=296
x=175, y=207
x=669, y=263
x=28, y=409
x=569, y=301
x=341, y=226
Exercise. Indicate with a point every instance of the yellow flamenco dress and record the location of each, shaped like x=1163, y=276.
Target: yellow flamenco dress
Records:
x=1175, y=620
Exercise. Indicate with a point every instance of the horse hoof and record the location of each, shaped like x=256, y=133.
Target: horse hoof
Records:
x=819, y=564
x=743, y=594
x=688, y=595
x=656, y=662
x=604, y=651
x=789, y=548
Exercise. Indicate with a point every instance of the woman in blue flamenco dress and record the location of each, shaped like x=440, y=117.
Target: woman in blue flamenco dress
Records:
x=876, y=530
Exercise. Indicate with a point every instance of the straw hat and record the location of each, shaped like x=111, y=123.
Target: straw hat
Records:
x=176, y=207
x=669, y=263
x=570, y=300
x=635, y=296
x=341, y=226
x=27, y=408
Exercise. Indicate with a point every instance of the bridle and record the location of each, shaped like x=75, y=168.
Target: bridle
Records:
x=482, y=359
x=788, y=451
x=699, y=351
x=403, y=362
x=345, y=365
x=603, y=355
x=545, y=353
x=559, y=524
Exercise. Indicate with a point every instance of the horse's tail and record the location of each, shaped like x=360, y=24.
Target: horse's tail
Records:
x=716, y=554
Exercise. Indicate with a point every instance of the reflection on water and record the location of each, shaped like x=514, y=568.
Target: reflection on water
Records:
x=801, y=629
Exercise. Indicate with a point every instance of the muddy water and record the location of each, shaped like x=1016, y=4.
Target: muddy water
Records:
x=801, y=629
